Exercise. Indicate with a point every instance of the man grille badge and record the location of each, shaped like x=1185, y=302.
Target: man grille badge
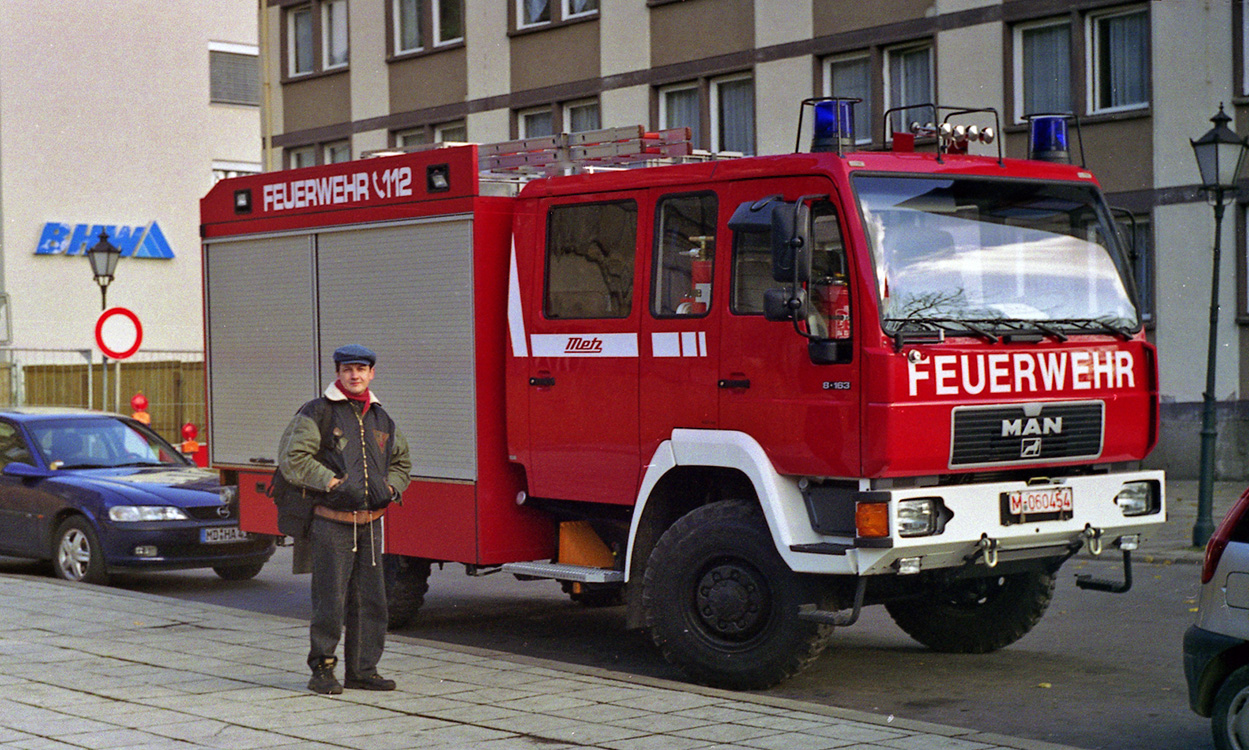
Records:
x=1030, y=448
x=223, y=511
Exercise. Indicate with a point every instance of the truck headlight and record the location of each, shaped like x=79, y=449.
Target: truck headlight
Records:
x=136, y=513
x=1138, y=498
x=917, y=516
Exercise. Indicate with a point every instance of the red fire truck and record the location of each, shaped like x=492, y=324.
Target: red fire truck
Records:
x=745, y=397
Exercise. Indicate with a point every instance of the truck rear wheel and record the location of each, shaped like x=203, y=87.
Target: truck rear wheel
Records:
x=978, y=615
x=407, y=580
x=722, y=605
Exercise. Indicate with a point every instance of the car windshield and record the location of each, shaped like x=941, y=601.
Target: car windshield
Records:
x=977, y=253
x=80, y=443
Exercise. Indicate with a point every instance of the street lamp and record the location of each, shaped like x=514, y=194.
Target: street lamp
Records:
x=1220, y=154
x=103, y=259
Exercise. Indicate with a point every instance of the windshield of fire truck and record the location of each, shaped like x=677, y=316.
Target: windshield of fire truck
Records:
x=988, y=252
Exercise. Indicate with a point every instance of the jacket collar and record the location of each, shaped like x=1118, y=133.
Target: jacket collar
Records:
x=333, y=394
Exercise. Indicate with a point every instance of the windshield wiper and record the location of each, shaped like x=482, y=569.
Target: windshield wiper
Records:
x=1084, y=325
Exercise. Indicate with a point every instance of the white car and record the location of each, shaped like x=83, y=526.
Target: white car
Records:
x=1216, y=648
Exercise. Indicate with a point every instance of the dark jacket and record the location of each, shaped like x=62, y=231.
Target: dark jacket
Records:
x=366, y=449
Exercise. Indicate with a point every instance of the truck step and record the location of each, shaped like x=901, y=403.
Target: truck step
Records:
x=562, y=572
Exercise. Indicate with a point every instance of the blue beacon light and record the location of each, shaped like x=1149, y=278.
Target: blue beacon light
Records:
x=834, y=125
x=1047, y=140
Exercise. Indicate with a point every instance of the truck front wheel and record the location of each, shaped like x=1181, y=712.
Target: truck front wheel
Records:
x=407, y=580
x=978, y=615
x=722, y=605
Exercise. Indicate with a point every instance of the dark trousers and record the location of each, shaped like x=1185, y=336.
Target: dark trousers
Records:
x=348, y=591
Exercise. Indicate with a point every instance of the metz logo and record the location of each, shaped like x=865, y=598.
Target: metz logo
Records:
x=581, y=345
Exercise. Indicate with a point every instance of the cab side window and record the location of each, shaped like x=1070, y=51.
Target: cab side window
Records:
x=752, y=272
x=685, y=248
x=13, y=446
x=590, y=251
x=829, y=314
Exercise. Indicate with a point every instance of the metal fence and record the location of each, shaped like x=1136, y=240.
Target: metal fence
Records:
x=171, y=380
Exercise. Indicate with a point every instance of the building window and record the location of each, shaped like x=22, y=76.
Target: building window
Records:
x=1118, y=47
x=305, y=156
x=413, y=137
x=590, y=252
x=300, y=37
x=851, y=77
x=579, y=8
x=733, y=115
x=1139, y=235
x=581, y=116
x=451, y=132
x=1244, y=47
x=334, y=33
x=532, y=13
x=1042, y=69
x=535, y=123
x=336, y=152
x=407, y=24
x=685, y=250
x=908, y=75
x=234, y=74
x=448, y=18
x=679, y=108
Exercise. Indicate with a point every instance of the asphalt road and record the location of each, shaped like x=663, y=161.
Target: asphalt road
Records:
x=1099, y=671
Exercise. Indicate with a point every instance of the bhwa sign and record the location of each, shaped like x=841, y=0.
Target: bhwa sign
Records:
x=76, y=239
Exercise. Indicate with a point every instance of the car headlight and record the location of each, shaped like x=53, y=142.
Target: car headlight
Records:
x=1138, y=498
x=135, y=513
x=917, y=517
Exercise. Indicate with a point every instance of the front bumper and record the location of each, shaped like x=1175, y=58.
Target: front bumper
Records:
x=977, y=530
x=176, y=545
x=1206, y=666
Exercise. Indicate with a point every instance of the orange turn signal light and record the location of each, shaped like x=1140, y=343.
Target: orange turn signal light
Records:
x=872, y=519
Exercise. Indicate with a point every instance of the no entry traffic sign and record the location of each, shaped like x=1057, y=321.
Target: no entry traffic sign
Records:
x=118, y=332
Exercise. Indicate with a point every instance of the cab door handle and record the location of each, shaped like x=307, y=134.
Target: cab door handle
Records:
x=542, y=382
x=743, y=383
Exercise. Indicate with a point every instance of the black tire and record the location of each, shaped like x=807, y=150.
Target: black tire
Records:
x=238, y=572
x=977, y=615
x=76, y=552
x=722, y=605
x=1230, y=718
x=407, y=580
x=594, y=595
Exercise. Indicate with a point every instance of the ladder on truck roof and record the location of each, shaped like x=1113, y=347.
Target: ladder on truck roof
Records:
x=628, y=147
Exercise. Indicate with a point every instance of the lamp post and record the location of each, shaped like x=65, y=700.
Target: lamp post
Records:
x=1220, y=154
x=103, y=259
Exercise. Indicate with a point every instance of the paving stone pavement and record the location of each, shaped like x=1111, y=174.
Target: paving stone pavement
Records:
x=89, y=667
x=104, y=669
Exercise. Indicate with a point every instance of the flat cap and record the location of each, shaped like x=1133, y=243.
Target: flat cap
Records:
x=354, y=354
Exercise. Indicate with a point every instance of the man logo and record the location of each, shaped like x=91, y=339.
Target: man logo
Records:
x=1032, y=426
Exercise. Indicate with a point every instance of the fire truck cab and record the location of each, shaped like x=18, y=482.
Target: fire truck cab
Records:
x=745, y=397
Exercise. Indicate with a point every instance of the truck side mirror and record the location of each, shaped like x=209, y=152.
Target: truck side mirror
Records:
x=791, y=256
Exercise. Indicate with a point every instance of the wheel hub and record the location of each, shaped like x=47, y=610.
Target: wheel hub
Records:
x=732, y=601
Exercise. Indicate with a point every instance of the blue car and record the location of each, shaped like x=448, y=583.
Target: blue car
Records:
x=96, y=493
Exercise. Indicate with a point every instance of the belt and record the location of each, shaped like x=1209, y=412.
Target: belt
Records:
x=349, y=516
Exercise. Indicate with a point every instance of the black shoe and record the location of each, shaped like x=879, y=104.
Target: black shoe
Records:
x=373, y=682
x=323, y=680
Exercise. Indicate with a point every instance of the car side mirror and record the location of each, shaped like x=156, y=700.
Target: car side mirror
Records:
x=25, y=471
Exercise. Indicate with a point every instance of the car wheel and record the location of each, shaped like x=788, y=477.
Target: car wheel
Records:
x=76, y=552
x=1230, y=718
x=238, y=572
x=407, y=581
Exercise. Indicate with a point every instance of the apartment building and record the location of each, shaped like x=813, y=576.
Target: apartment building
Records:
x=117, y=117
x=346, y=77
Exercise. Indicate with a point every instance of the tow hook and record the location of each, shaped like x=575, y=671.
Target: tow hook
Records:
x=988, y=547
x=811, y=612
x=1087, y=581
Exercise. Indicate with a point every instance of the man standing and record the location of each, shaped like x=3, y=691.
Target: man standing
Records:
x=348, y=451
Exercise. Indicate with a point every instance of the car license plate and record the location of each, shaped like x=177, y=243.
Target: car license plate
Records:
x=1042, y=504
x=222, y=535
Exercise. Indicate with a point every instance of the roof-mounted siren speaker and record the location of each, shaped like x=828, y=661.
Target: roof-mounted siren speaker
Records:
x=1047, y=138
x=834, y=125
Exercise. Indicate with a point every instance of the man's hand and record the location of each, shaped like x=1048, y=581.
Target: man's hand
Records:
x=333, y=483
